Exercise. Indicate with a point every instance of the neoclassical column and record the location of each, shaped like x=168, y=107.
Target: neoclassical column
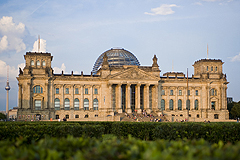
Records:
x=63, y=86
x=30, y=96
x=146, y=97
x=119, y=98
x=155, y=98
x=73, y=95
x=46, y=97
x=19, y=95
x=110, y=97
x=137, y=98
x=128, y=98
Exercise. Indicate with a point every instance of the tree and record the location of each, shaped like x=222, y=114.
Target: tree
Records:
x=3, y=116
x=235, y=111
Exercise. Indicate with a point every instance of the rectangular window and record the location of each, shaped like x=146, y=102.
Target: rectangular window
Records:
x=76, y=91
x=196, y=92
x=67, y=91
x=180, y=92
x=95, y=91
x=163, y=92
x=37, y=104
x=188, y=92
x=171, y=92
x=57, y=90
x=86, y=90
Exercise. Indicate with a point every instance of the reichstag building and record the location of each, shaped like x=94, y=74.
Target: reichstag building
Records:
x=118, y=84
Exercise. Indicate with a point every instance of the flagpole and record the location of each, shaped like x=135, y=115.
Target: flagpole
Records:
x=188, y=105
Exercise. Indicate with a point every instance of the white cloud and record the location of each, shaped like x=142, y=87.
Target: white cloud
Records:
x=164, y=9
x=13, y=72
x=235, y=58
x=12, y=35
x=3, y=43
x=210, y=0
x=59, y=70
x=42, y=46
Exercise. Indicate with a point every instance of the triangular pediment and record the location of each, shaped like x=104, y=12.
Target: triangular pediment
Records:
x=133, y=74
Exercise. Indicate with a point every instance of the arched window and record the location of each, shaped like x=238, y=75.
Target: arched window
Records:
x=38, y=63
x=212, y=68
x=32, y=62
x=86, y=104
x=188, y=104
x=76, y=104
x=95, y=104
x=57, y=104
x=171, y=104
x=215, y=68
x=66, y=104
x=179, y=104
x=196, y=104
x=37, y=89
x=163, y=104
x=43, y=63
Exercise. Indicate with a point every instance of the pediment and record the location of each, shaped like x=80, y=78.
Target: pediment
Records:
x=133, y=74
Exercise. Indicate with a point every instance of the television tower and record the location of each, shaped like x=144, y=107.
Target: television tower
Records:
x=7, y=88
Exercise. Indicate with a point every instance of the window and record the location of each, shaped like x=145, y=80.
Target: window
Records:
x=163, y=104
x=179, y=104
x=32, y=63
x=171, y=92
x=188, y=104
x=215, y=116
x=76, y=104
x=95, y=104
x=96, y=115
x=86, y=104
x=76, y=91
x=196, y=104
x=77, y=116
x=163, y=92
x=212, y=68
x=95, y=91
x=86, y=116
x=197, y=115
x=38, y=89
x=67, y=91
x=66, y=104
x=57, y=116
x=213, y=105
x=37, y=104
x=38, y=63
x=213, y=92
x=215, y=68
x=57, y=104
x=86, y=90
x=57, y=90
x=180, y=92
x=43, y=63
x=196, y=92
x=207, y=68
x=171, y=104
x=67, y=116
x=188, y=92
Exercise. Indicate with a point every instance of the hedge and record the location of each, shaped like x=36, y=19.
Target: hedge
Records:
x=117, y=149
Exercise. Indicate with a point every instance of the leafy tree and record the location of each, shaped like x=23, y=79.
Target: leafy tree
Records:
x=229, y=107
x=3, y=116
x=235, y=111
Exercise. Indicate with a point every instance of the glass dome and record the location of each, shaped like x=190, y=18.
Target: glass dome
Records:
x=116, y=57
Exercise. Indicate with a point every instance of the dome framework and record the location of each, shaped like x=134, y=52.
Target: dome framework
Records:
x=116, y=57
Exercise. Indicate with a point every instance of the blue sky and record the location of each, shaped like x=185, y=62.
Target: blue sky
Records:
x=76, y=32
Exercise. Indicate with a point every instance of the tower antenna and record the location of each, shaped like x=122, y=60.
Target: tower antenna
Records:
x=7, y=88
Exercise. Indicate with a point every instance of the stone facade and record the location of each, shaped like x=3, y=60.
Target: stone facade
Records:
x=117, y=89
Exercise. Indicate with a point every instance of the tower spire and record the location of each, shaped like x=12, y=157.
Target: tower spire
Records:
x=7, y=88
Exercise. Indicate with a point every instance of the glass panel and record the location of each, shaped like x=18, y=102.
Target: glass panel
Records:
x=86, y=104
x=67, y=91
x=95, y=91
x=171, y=92
x=196, y=104
x=179, y=104
x=180, y=92
x=32, y=63
x=171, y=104
x=67, y=104
x=95, y=104
x=38, y=63
x=43, y=63
x=196, y=92
x=86, y=90
x=76, y=91
x=57, y=104
x=163, y=92
x=188, y=104
x=57, y=90
x=163, y=104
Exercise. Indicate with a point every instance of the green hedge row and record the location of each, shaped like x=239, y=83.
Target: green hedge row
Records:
x=36, y=132
x=212, y=132
x=117, y=149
